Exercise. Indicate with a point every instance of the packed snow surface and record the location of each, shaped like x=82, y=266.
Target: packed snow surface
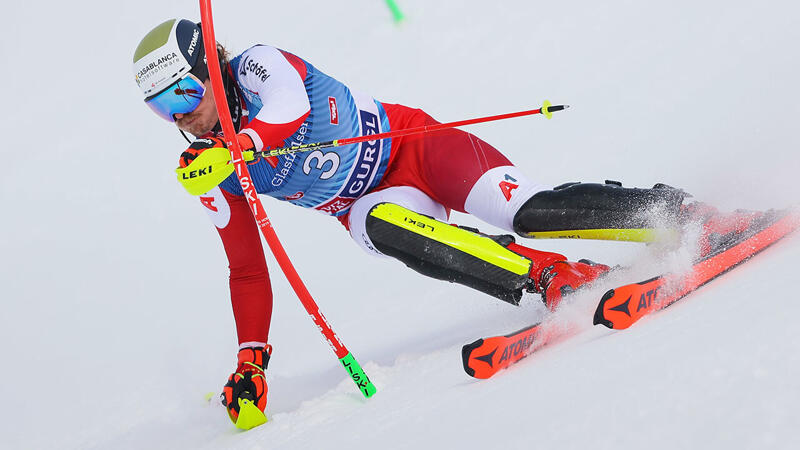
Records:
x=116, y=318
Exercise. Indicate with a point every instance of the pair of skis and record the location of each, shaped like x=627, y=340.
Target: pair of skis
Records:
x=623, y=306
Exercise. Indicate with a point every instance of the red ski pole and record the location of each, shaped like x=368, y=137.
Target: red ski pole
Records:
x=547, y=109
x=199, y=181
x=348, y=361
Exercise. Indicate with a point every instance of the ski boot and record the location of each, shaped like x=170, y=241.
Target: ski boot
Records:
x=601, y=211
x=245, y=393
x=554, y=277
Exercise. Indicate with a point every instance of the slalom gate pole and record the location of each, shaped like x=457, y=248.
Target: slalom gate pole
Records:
x=547, y=109
x=349, y=362
x=397, y=14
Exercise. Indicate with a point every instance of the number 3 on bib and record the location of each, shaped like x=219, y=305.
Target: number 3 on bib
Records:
x=321, y=159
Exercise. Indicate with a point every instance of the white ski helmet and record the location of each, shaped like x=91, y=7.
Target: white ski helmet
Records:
x=168, y=53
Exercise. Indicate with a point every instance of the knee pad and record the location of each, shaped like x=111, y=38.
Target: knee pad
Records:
x=449, y=253
x=600, y=211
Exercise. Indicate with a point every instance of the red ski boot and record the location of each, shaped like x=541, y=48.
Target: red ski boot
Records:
x=554, y=277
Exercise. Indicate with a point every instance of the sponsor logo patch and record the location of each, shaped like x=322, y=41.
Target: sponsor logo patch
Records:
x=288, y=161
x=419, y=224
x=254, y=67
x=368, y=159
x=193, y=44
x=336, y=205
x=217, y=207
x=646, y=299
x=155, y=67
x=516, y=348
x=208, y=202
x=197, y=173
x=507, y=187
x=296, y=196
x=334, y=111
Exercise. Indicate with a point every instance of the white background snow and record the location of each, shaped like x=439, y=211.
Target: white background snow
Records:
x=115, y=308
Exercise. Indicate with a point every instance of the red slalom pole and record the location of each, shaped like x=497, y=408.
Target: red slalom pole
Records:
x=259, y=213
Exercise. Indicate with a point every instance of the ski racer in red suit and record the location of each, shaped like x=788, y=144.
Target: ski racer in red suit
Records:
x=394, y=195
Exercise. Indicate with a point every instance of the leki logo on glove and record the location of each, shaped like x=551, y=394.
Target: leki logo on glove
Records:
x=206, y=171
x=197, y=173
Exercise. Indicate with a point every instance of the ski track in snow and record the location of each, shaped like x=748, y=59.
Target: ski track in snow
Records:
x=116, y=319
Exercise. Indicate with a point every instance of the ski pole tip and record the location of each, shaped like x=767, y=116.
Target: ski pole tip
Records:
x=358, y=375
x=548, y=109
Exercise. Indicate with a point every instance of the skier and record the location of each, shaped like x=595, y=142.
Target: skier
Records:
x=394, y=196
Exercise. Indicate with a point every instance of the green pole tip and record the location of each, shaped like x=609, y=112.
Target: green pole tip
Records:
x=358, y=375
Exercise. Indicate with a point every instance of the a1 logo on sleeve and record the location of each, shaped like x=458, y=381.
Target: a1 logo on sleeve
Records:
x=217, y=207
x=507, y=186
x=334, y=111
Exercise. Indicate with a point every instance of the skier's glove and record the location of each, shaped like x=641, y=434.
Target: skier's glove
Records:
x=207, y=163
x=203, y=144
x=248, y=381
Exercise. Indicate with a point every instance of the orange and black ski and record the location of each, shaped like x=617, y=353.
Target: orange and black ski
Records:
x=485, y=357
x=622, y=307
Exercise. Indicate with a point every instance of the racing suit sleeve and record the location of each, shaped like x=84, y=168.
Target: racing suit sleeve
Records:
x=251, y=292
x=277, y=79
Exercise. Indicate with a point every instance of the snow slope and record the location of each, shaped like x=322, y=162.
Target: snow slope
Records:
x=116, y=318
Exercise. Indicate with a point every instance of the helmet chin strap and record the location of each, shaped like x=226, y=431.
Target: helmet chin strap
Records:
x=214, y=131
x=184, y=136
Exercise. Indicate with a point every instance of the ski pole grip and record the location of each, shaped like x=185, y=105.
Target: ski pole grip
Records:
x=358, y=375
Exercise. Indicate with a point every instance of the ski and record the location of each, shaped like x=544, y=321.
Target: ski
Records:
x=487, y=356
x=621, y=307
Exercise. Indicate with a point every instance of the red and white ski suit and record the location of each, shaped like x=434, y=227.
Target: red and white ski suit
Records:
x=432, y=173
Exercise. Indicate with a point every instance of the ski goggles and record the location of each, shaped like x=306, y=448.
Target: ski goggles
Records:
x=181, y=97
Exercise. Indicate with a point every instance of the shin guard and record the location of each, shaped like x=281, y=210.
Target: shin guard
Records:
x=601, y=211
x=449, y=253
